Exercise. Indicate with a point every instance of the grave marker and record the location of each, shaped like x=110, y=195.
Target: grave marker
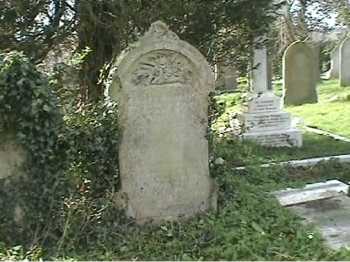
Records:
x=162, y=85
x=299, y=84
x=345, y=63
x=334, y=71
x=263, y=120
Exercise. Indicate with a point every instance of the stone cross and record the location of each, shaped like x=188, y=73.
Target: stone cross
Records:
x=162, y=85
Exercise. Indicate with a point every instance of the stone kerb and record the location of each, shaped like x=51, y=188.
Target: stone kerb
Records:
x=299, y=85
x=162, y=85
x=344, y=73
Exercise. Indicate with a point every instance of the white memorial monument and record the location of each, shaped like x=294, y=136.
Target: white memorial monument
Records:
x=263, y=119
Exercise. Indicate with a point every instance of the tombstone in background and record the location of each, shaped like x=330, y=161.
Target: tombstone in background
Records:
x=162, y=86
x=344, y=73
x=263, y=120
x=334, y=71
x=227, y=77
x=12, y=156
x=316, y=51
x=316, y=38
x=299, y=85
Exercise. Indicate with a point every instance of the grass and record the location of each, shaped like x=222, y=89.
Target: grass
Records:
x=332, y=111
x=248, y=225
x=238, y=153
x=329, y=114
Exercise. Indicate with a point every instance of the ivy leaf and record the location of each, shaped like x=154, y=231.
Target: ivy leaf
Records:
x=46, y=108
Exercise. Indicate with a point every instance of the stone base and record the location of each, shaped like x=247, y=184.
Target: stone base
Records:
x=264, y=122
x=282, y=138
x=263, y=103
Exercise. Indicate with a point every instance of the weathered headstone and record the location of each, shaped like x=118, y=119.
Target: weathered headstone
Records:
x=344, y=73
x=162, y=85
x=334, y=71
x=326, y=206
x=263, y=120
x=316, y=51
x=316, y=38
x=12, y=157
x=299, y=83
x=227, y=77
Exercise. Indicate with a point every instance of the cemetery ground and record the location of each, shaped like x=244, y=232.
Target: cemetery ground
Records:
x=249, y=223
x=330, y=114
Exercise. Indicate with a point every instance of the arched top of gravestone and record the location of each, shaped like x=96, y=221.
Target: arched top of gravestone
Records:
x=335, y=49
x=160, y=57
x=298, y=47
x=345, y=43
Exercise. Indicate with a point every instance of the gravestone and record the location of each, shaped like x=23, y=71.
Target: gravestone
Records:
x=344, y=73
x=162, y=86
x=326, y=206
x=12, y=157
x=263, y=119
x=334, y=71
x=299, y=85
x=316, y=51
x=227, y=77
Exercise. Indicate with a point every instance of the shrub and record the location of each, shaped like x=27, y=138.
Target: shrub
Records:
x=30, y=110
x=70, y=172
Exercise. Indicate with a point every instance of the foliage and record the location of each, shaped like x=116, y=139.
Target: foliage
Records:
x=340, y=7
x=35, y=27
x=65, y=80
x=19, y=253
x=93, y=146
x=90, y=143
x=248, y=225
x=220, y=29
x=71, y=170
x=29, y=110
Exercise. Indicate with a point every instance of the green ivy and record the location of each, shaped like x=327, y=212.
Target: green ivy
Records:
x=71, y=167
x=91, y=139
x=30, y=111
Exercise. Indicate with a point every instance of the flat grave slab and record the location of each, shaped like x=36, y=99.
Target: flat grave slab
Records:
x=331, y=216
x=326, y=205
x=311, y=192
